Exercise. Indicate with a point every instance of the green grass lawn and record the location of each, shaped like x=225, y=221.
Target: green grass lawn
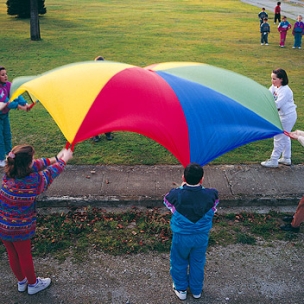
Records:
x=221, y=33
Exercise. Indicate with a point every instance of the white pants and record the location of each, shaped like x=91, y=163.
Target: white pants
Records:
x=281, y=142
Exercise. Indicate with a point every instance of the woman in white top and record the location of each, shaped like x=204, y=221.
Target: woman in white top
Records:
x=283, y=98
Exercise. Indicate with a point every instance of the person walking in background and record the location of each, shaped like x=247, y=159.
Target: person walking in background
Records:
x=24, y=179
x=277, y=13
x=283, y=27
x=298, y=32
x=294, y=222
x=193, y=208
x=5, y=107
x=265, y=30
x=262, y=14
x=109, y=135
x=283, y=97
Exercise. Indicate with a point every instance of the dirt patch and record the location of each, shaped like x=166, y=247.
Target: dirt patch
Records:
x=233, y=274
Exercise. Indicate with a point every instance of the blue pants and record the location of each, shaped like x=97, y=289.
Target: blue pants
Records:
x=297, y=39
x=264, y=37
x=5, y=136
x=187, y=261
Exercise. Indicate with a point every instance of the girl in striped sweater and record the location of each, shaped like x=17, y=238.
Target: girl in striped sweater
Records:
x=24, y=179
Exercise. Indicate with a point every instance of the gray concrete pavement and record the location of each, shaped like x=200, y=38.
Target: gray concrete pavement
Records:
x=118, y=186
x=291, y=9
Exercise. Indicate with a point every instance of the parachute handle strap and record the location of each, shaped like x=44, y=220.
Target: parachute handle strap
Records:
x=70, y=146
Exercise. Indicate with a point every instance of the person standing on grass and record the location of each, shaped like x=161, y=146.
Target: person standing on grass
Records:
x=109, y=135
x=294, y=222
x=298, y=32
x=262, y=14
x=265, y=30
x=277, y=13
x=283, y=97
x=24, y=179
x=193, y=208
x=5, y=107
x=283, y=27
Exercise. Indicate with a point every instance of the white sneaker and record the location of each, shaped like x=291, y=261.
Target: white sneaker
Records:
x=285, y=161
x=197, y=296
x=262, y=43
x=266, y=44
x=270, y=163
x=22, y=286
x=2, y=163
x=41, y=284
x=181, y=294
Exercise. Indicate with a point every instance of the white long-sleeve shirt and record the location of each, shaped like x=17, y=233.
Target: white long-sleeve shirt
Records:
x=283, y=97
x=301, y=136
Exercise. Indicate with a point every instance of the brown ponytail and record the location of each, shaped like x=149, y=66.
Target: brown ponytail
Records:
x=19, y=161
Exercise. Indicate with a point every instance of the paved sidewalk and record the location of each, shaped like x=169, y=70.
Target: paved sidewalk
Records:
x=290, y=9
x=117, y=186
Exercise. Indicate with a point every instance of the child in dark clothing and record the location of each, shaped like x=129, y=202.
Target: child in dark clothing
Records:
x=109, y=135
x=277, y=13
x=262, y=14
x=265, y=30
x=193, y=208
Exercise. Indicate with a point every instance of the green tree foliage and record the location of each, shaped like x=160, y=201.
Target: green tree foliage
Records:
x=21, y=8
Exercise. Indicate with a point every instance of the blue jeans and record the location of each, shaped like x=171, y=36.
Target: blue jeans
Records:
x=187, y=261
x=297, y=39
x=5, y=136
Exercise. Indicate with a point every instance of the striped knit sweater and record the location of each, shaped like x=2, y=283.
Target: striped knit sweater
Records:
x=18, y=200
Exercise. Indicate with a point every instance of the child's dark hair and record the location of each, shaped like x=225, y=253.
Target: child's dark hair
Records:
x=281, y=74
x=19, y=161
x=99, y=58
x=278, y=3
x=2, y=68
x=193, y=173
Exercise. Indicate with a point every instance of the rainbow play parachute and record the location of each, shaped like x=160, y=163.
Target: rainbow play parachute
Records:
x=196, y=111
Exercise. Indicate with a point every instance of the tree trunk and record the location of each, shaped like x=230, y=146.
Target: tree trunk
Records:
x=35, y=29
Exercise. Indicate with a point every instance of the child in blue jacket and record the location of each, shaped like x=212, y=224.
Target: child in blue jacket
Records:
x=193, y=208
x=265, y=30
x=5, y=107
x=298, y=32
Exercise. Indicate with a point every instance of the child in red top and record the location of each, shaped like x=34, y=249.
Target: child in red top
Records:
x=277, y=13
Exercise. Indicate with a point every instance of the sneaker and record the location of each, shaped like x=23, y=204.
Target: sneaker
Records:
x=287, y=219
x=197, y=296
x=40, y=285
x=262, y=43
x=288, y=227
x=109, y=136
x=96, y=138
x=181, y=294
x=285, y=161
x=293, y=47
x=2, y=163
x=22, y=286
x=266, y=44
x=299, y=47
x=270, y=163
